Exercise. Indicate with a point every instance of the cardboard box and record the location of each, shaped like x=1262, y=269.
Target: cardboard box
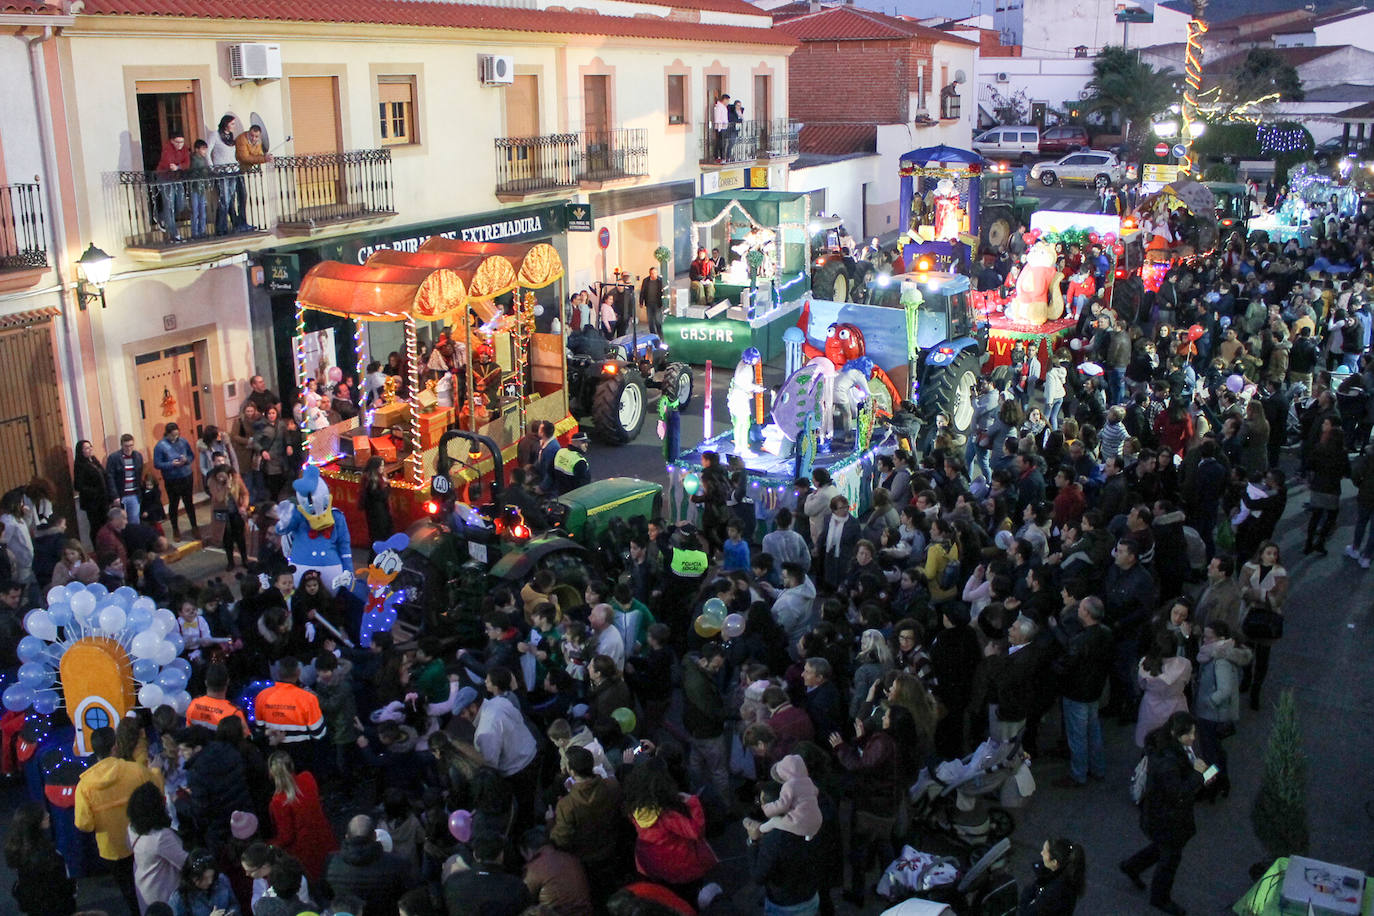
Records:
x=384, y=447
x=396, y=413
x=427, y=399
x=353, y=444
x=433, y=425
x=362, y=454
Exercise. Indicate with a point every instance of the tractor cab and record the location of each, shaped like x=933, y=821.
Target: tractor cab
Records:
x=837, y=272
x=611, y=392
x=1232, y=207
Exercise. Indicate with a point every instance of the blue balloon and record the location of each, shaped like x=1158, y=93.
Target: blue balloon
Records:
x=145, y=670
x=182, y=664
x=100, y=591
x=177, y=641
x=45, y=702
x=17, y=697
x=34, y=675
x=61, y=614
x=125, y=593
x=75, y=588
x=172, y=680
x=138, y=619
x=31, y=649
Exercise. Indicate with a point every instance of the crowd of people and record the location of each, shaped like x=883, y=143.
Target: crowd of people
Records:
x=1087, y=552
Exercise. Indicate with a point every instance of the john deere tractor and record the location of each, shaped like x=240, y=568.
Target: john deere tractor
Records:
x=838, y=272
x=613, y=391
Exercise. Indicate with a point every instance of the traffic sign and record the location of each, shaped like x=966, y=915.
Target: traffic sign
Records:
x=1161, y=149
x=440, y=484
x=603, y=238
x=1180, y=150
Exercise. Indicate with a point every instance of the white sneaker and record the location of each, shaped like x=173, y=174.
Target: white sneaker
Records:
x=1364, y=562
x=1352, y=553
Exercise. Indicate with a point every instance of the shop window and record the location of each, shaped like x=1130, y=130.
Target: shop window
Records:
x=677, y=98
x=396, y=110
x=949, y=103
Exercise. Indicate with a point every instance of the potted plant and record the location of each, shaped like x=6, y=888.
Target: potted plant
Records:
x=662, y=255
x=1279, y=814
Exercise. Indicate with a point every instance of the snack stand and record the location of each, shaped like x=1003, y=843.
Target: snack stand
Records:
x=764, y=235
x=484, y=295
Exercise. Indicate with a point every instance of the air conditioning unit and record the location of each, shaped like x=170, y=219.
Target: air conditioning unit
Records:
x=1003, y=78
x=497, y=69
x=254, y=60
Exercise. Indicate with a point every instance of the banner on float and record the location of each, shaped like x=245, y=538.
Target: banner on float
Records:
x=1064, y=220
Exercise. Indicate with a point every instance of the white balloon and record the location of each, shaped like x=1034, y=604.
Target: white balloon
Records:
x=112, y=618
x=150, y=696
x=57, y=594
x=180, y=701
x=144, y=602
x=40, y=624
x=164, y=653
x=145, y=645
x=164, y=621
x=82, y=604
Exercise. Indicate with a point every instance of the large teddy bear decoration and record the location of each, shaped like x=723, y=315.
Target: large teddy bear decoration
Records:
x=1038, y=298
x=314, y=535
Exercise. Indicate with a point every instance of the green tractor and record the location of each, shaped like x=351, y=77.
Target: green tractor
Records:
x=1001, y=210
x=839, y=271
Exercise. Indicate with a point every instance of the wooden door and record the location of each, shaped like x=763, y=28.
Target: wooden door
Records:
x=763, y=90
x=522, y=123
x=32, y=438
x=715, y=85
x=596, y=139
x=166, y=107
x=315, y=134
x=169, y=391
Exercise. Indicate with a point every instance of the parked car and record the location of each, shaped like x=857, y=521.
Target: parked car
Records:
x=1056, y=141
x=1097, y=168
x=1012, y=141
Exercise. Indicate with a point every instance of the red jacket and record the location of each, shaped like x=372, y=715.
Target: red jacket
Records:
x=301, y=828
x=1069, y=505
x=1171, y=435
x=671, y=847
x=171, y=156
x=702, y=269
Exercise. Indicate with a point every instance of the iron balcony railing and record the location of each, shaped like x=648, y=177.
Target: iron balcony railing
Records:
x=333, y=187
x=554, y=162
x=610, y=154
x=166, y=209
x=747, y=141
x=23, y=234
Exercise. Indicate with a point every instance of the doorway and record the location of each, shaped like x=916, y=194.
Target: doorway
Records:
x=596, y=125
x=315, y=132
x=522, y=124
x=165, y=108
x=638, y=239
x=171, y=388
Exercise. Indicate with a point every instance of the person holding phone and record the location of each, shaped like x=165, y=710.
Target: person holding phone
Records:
x=203, y=891
x=1175, y=776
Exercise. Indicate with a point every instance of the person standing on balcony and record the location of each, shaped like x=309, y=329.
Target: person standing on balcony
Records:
x=199, y=186
x=734, y=116
x=250, y=154
x=230, y=190
x=172, y=169
x=651, y=297
x=720, y=123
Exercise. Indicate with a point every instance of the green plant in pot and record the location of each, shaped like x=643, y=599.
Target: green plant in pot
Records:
x=1279, y=814
x=755, y=260
x=662, y=255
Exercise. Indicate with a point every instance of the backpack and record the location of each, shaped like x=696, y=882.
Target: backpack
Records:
x=949, y=576
x=1138, y=780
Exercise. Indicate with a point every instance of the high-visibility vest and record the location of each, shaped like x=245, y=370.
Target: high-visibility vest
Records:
x=566, y=460
x=291, y=710
x=208, y=710
x=689, y=564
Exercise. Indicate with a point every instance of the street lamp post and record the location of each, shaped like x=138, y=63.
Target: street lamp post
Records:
x=93, y=272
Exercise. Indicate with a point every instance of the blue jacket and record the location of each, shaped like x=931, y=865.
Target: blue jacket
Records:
x=114, y=471
x=166, y=452
x=202, y=903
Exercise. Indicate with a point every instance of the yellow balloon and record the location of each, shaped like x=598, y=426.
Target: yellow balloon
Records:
x=706, y=628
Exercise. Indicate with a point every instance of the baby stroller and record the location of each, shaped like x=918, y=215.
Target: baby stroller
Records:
x=929, y=886
x=951, y=799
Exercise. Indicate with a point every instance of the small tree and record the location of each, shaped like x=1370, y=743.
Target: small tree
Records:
x=662, y=255
x=1280, y=810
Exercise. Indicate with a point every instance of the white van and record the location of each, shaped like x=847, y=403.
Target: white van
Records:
x=1010, y=141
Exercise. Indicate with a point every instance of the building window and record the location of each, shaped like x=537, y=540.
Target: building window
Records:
x=677, y=98
x=396, y=110
x=949, y=102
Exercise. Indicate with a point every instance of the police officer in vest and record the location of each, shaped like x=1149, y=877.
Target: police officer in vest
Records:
x=570, y=468
x=687, y=566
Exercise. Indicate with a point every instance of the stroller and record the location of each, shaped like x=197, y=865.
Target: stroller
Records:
x=951, y=799
x=939, y=887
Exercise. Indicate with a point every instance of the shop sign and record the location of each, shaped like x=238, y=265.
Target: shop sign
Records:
x=757, y=177
x=281, y=272
x=578, y=217
x=724, y=180
x=516, y=226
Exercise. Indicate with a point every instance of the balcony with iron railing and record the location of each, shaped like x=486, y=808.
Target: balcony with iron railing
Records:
x=161, y=212
x=749, y=141
x=555, y=163
x=23, y=233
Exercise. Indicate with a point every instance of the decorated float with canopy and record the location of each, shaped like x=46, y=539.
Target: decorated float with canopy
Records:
x=484, y=297
x=941, y=189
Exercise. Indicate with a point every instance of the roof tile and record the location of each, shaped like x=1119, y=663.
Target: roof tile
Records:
x=848, y=23
x=454, y=15
x=838, y=139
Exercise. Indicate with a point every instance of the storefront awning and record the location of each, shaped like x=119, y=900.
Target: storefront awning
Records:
x=766, y=208
x=384, y=292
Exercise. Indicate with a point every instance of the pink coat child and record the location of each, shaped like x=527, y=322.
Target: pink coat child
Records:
x=798, y=809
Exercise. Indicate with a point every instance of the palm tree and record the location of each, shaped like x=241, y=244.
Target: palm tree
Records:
x=1134, y=90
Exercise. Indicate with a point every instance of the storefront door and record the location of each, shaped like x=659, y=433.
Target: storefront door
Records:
x=32, y=441
x=170, y=386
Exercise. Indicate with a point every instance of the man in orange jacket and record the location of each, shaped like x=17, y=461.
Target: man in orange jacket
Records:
x=291, y=714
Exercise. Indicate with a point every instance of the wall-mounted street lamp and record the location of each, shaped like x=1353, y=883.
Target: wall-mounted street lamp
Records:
x=93, y=273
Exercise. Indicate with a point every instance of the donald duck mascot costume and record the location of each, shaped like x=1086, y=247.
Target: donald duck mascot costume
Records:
x=314, y=535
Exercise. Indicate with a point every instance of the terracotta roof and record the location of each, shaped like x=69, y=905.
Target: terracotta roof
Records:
x=454, y=16
x=28, y=6
x=838, y=139
x=1294, y=56
x=848, y=23
x=1363, y=112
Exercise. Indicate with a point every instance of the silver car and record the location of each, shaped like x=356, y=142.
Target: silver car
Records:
x=1097, y=168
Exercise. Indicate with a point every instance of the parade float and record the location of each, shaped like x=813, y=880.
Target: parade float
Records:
x=767, y=249
x=939, y=199
x=485, y=297
x=1312, y=195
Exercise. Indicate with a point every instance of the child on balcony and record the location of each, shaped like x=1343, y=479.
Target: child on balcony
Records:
x=200, y=172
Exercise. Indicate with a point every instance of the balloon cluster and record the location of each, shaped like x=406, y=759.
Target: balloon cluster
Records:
x=147, y=634
x=713, y=621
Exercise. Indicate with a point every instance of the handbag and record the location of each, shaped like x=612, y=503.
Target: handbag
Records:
x=1262, y=623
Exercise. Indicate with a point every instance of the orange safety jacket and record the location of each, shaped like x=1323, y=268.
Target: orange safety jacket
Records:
x=208, y=710
x=291, y=710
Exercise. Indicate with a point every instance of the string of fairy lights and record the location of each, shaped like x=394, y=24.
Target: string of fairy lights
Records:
x=1192, y=74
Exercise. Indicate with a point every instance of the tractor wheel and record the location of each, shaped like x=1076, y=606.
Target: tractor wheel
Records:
x=830, y=281
x=864, y=272
x=996, y=234
x=677, y=381
x=618, y=408
x=950, y=390
x=1102, y=181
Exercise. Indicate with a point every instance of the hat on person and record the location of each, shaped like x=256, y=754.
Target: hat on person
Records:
x=466, y=697
x=243, y=825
